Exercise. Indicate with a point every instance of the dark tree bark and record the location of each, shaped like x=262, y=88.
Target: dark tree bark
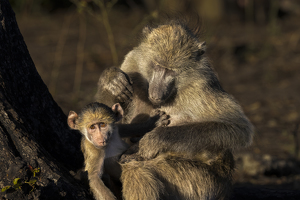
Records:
x=33, y=129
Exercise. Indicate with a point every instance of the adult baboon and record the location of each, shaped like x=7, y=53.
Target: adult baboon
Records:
x=191, y=157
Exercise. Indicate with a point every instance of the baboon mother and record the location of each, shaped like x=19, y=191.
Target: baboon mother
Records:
x=191, y=157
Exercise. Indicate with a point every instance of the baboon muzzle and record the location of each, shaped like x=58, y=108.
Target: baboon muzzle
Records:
x=160, y=86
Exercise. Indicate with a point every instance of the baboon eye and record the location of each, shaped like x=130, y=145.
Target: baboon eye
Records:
x=103, y=125
x=92, y=127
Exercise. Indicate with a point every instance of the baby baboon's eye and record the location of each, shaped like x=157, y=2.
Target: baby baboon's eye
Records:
x=92, y=127
x=103, y=125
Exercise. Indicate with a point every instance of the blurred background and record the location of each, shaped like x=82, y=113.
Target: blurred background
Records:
x=254, y=46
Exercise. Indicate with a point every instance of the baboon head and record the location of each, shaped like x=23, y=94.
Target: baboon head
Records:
x=171, y=53
x=96, y=122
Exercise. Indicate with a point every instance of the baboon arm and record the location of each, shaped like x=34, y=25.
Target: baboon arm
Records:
x=129, y=130
x=136, y=129
x=156, y=119
x=94, y=159
x=94, y=166
x=99, y=190
x=192, y=138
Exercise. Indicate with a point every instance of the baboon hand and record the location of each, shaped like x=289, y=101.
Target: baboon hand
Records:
x=119, y=84
x=160, y=117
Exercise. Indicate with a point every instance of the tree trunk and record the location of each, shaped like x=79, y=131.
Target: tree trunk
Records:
x=36, y=144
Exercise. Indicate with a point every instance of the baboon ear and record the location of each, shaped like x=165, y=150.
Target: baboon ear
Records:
x=72, y=118
x=147, y=30
x=117, y=108
x=202, y=47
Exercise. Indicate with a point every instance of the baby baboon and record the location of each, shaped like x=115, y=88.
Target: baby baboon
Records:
x=191, y=158
x=100, y=140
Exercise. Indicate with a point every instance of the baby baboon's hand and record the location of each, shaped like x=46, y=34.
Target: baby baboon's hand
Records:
x=118, y=83
x=160, y=117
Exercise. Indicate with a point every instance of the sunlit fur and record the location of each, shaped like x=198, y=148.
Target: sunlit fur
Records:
x=94, y=156
x=191, y=158
x=170, y=177
x=95, y=112
x=171, y=46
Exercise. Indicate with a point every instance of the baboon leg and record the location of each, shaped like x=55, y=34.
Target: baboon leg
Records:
x=139, y=181
x=173, y=178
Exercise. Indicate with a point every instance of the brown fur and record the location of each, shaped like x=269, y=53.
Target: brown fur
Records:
x=93, y=165
x=95, y=114
x=169, y=177
x=191, y=157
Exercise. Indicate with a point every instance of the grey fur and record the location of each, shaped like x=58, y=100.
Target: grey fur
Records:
x=191, y=157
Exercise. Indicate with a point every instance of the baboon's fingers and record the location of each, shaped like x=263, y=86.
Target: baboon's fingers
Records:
x=157, y=113
x=164, y=116
x=127, y=83
x=128, y=94
x=165, y=122
x=161, y=113
x=123, y=97
x=117, y=88
x=154, y=113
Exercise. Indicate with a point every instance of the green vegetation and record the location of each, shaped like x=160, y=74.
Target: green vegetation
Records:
x=18, y=183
